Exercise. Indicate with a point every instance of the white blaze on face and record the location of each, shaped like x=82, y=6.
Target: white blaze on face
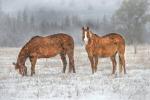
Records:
x=85, y=38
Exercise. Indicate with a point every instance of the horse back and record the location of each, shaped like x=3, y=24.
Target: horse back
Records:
x=66, y=40
x=55, y=39
x=52, y=44
x=114, y=38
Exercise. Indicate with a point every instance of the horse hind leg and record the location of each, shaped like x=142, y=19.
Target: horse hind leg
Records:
x=33, y=62
x=64, y=61
x=113, y=67
x=120, y=65
x=113, y=59
x=121, y=52
x=71, y=61
x=122, y=61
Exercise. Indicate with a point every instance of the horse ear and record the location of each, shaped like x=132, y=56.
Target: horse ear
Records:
x=87, y=28
x=14, y=63
x=82, y=28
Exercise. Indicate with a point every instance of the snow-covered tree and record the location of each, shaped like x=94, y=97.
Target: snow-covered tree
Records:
x=131, y=19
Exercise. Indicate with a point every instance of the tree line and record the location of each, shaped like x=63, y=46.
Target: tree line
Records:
x=131, y=19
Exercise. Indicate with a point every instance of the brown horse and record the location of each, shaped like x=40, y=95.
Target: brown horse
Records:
x=104, y=46
x=46, y=47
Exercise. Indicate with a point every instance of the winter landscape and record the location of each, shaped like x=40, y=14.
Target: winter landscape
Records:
x=20, y=20
x=50, y=83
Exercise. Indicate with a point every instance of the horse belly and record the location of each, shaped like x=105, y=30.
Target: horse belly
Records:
x=106, y=51
x=48, y=52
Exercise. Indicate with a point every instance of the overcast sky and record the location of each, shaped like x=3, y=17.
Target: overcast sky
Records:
x=11, y=6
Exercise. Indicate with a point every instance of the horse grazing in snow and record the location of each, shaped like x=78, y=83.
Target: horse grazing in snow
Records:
x=104, y=46
x=46, y=47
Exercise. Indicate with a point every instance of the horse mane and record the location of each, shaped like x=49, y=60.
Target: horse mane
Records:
x=94, y=34
x=34, y=37
x=24, y=50
x=110, y=34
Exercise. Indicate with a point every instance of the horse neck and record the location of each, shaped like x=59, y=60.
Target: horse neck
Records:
x=22, y=56
x=95, y=37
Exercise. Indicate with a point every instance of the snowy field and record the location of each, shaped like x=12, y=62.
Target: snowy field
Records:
x=50, y=83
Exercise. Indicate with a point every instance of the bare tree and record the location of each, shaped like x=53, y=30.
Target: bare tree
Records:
x=131, y=19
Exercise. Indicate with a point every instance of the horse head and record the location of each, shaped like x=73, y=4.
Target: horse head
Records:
x=22, y=68
x=86, y=35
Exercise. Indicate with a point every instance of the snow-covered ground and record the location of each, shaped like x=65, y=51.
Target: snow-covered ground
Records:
x=50, y=83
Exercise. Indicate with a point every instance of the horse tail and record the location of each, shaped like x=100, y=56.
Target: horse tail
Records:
x=121, y=53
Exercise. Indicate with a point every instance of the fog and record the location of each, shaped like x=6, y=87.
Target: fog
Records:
x=106, y=7
x=22, y=19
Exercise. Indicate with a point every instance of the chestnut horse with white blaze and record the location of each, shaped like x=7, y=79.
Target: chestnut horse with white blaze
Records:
x=104, y=46
x=46, y=47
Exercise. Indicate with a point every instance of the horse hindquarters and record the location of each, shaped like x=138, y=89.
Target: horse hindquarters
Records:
x=67, y=45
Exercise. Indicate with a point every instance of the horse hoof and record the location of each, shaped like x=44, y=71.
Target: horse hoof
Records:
x=63, y=72
x=122, y=74
x=32, y=73
x=112, y=76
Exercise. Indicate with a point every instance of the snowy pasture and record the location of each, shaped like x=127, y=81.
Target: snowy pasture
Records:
x=49, y=83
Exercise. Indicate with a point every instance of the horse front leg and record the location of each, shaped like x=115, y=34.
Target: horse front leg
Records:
x=33, y=62
x=91, y=58
x=113, y=59
x=96, y=62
